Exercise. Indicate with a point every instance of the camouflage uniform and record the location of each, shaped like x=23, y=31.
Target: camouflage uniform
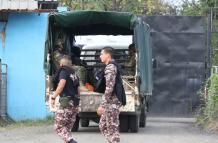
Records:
x=64, y=121
x=129, y=66
x=109, y=122
x=131, y=62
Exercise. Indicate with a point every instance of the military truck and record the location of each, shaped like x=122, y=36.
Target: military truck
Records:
x=65, y=26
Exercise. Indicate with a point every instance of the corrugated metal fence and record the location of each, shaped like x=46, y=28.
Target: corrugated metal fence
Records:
x=179, y=47
x=18, y=4
x=27, y=5
x=3, y=90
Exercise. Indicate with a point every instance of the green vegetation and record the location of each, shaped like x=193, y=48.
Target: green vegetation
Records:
x=148, y=7
x=9, y=123
x=209, y=115
x=215, y=47
x=5, y=122
x=209, y=112
x=194, y=7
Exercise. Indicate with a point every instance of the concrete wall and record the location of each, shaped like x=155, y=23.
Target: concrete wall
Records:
x=24, y=53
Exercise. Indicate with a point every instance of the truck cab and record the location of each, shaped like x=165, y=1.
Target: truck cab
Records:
x=64, y=27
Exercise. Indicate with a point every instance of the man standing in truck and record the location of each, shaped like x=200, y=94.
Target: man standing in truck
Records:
x=130, y=64
x=109, y=108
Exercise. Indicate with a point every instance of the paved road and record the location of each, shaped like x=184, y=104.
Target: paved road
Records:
x=158, y=130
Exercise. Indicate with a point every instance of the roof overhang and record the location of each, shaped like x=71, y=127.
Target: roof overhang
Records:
x=28, y=5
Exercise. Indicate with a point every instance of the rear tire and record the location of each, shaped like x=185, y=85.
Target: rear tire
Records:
x=124, y=123
x=142, y=123
x=142, y=118
x=76, y=125
x=134, y=123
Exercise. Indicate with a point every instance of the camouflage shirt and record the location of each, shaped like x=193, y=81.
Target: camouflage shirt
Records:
x=109, y=99
x=131, y=62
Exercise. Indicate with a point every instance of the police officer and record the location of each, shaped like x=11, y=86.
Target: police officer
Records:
x=109, y=108
x=68, y=89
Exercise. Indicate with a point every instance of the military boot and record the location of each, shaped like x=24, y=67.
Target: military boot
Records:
x=72, y=141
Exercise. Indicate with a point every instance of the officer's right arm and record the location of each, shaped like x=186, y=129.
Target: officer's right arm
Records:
x=60, y=87
x=57, y=92
x=61, y=84
x=110, y=78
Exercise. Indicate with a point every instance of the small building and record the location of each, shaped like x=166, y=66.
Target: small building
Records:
x=23, y=25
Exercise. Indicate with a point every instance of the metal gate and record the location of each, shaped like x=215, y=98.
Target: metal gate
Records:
x=3, y=90
x=179, y=48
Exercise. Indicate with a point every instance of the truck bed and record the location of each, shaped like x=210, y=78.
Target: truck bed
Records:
x=90, y=101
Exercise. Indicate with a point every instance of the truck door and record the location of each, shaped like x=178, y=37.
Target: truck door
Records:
x=144, y=64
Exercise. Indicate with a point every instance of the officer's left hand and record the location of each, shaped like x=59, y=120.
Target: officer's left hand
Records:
x=100, y=110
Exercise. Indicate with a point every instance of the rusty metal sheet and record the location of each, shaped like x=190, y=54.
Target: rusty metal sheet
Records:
x=18, y=5
x=22, y=5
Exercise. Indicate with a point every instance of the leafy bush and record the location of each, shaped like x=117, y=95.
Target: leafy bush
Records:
x=211, y=109
x=209, y=115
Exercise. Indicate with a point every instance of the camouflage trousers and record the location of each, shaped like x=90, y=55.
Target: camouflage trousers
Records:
x=109, y=125
x=64, y=121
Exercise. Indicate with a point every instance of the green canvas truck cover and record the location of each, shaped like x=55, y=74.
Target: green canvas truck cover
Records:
x=104, y=23
x=83, y=18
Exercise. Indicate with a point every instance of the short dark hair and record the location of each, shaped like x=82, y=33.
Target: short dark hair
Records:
x=132, y=47
x=109, y=50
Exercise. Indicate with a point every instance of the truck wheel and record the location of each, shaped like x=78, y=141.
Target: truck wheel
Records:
x=96, y=120
x=76, y=125
x=124, y=123
x=142, y=123
x=84, y=122
x=134, y=123
x=142, y=118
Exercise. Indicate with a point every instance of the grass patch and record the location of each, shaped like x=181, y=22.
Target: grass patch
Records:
x=208, y=118
x=4, y=123
x=47, y=121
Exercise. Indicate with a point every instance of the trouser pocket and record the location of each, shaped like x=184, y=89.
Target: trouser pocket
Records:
x=64, y=102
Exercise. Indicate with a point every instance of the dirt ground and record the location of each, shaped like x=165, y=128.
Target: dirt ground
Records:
x=158, y=130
